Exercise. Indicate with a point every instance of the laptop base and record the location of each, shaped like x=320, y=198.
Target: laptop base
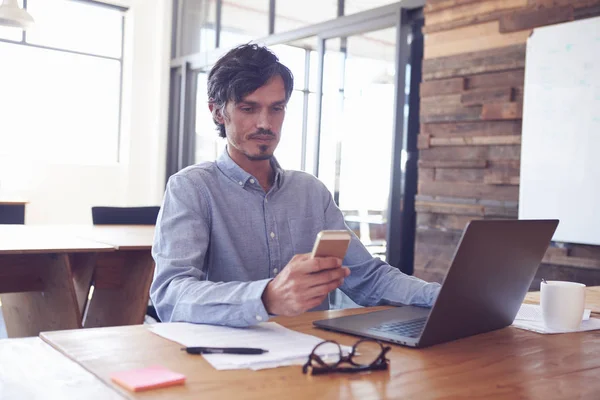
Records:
x=356, y=324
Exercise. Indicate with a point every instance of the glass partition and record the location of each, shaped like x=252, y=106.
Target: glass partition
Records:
x=357, y=124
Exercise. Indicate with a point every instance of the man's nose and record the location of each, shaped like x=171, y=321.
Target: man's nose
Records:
x=264, y=120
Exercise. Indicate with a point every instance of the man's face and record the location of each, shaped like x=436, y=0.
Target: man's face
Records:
x=253, y=126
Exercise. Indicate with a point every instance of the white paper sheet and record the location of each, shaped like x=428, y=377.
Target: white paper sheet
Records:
x=529, y=318
x=285, y=347
x=533, y=312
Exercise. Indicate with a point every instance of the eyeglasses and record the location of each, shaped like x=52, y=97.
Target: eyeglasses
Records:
x=366, y=355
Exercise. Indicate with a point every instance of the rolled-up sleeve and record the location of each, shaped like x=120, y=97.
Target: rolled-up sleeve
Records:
x=180, y=290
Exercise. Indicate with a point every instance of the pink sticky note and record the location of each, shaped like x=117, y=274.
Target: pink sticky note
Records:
x=152, y=377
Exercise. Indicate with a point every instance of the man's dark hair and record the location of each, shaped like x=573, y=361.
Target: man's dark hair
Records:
x=240, y=72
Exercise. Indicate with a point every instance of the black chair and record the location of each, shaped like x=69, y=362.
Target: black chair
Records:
x=125, y=215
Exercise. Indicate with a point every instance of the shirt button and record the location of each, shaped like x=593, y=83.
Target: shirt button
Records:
x=252, y=180
x=272, y=235
x=241, y=183
x=275, y=270
x=258, y=318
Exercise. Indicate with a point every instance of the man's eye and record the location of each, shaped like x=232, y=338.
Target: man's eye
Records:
x=278, y=109
x=246, y=109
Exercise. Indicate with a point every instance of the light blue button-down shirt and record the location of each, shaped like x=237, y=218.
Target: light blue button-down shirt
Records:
x=220, y=239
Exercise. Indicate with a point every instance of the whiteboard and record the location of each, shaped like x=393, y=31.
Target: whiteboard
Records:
x=560, y=152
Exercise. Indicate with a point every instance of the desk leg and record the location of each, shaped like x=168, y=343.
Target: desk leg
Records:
x=38, y=294
x=82, y=265
x=121, y=289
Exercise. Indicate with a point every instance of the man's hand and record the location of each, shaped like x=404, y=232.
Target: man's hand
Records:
x=303, y=284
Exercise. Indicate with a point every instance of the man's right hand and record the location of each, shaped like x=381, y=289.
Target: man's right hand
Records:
x=303, y=284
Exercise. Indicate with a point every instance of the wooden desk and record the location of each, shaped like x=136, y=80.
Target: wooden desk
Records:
x=31, y=369
x=121, y=279
x=44, y=279
x=12, y=210
x=506, y=364
x=46, y=273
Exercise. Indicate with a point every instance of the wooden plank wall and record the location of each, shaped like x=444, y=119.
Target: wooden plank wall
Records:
x=470, y=136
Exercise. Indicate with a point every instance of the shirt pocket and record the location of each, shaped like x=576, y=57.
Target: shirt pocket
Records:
x=303, y=232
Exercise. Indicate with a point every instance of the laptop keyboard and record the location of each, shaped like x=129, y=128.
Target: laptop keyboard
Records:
x=412, y=328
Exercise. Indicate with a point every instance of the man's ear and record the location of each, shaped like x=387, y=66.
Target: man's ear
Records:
x=217, y=114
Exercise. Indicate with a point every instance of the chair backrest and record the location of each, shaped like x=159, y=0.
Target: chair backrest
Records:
x=125, y=215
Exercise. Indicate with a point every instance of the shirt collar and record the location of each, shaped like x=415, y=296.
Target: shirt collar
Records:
x=239, y=176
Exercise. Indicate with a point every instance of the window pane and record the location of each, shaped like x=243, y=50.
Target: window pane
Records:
x=309, y=43
x=243, y=21
x=311, y=133
x=333, y=71
x=198, y=26
x=293, y=58
x=289, y=150
x=8, y=33
x=15, y=34
x=379, y=45
x=208, y=142
x=370, y=97
x=67, y=111
x=331, y=138
x=349, y=141
x=76, y=26
x=290, y=15
x=355, y=6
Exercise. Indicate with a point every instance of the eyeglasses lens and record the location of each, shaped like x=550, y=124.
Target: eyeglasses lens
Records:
x=366, y=352
x=330, y=353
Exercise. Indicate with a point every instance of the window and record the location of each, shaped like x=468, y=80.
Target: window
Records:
x=61, y=84
x=198, y=26
x=299, y=117
x=289, y=15
x=243, y=21
x=356, y=6
x=209, y=145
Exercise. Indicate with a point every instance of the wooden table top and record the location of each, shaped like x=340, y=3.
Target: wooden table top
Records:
x=22, y=239
x=31, y=369
x=10, y=201
x=508, y=363
x=123, y=237
x=33, y=239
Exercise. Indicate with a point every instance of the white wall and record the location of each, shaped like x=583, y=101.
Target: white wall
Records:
x=151, y=55
x=65, y=193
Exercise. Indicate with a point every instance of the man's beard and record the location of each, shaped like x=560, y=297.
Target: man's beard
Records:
x=262, y=156
x=263, y=147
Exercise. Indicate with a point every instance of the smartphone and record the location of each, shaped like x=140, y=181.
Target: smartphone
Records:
x=331, y=244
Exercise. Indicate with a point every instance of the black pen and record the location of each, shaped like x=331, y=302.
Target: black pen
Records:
x=223, y=350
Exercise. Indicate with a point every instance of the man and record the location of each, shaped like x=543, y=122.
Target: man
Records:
x=232, y=235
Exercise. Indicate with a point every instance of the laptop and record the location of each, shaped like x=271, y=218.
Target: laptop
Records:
x=491, y=271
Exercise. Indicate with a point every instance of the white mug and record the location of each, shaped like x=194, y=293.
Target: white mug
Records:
x=562, y=304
